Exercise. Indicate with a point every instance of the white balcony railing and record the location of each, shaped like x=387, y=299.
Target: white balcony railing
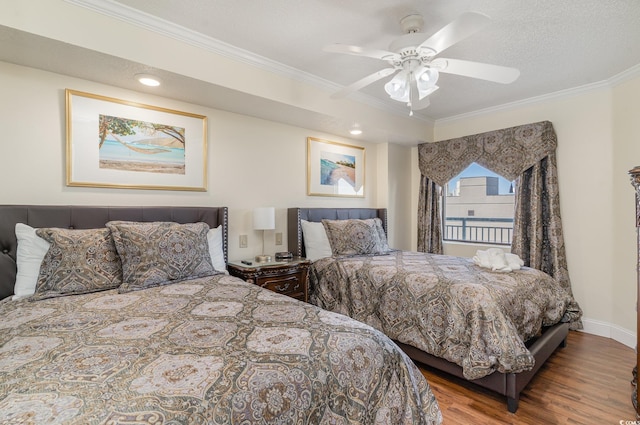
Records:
x=497, y=231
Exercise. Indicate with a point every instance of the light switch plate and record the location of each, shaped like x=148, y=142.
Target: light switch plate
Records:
x=243, y=241
x=278, y=238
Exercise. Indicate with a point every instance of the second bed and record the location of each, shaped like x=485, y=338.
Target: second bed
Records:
x=493, y=329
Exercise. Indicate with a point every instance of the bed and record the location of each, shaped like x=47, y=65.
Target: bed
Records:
x=203, y=347
x=429, y=303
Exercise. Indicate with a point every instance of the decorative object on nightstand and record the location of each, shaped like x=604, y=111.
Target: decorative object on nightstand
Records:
x=284, y=277
x=284, y=256
x=264, y=218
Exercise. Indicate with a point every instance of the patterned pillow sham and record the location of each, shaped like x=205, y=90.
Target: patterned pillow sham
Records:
x=77, y=262
x=356, y=237
x=160, y=253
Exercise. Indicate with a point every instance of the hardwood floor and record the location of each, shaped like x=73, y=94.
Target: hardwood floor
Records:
x=587, y=382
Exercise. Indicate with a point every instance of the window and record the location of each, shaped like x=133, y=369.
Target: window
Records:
x=478, y=206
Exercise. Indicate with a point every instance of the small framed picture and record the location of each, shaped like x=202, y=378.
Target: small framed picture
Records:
x=334, y=169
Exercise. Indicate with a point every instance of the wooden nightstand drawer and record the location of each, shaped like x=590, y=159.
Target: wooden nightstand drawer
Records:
x=286, y=277
x=293, y=285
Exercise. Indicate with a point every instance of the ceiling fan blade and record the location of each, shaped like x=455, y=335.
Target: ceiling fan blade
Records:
x=483, y=71
x=369, y=79
x=460, y=28
x=360, y=51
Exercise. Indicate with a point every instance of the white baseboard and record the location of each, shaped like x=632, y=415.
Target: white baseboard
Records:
x=607, y=330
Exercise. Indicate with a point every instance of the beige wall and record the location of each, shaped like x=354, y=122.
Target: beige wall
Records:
x=202, y=60
x=254, y=162
x=399, y=196
x=251, y=162
x=626, y=155
x=598, y=142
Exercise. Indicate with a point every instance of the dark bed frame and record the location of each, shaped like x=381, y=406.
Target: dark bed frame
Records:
x=507, y=384
x=89, y=217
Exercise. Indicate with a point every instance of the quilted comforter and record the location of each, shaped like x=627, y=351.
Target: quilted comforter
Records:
x=446, y=306
x=213, y=350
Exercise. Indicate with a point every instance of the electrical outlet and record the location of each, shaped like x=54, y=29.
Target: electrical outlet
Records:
x=278, y=238
x=243, y=241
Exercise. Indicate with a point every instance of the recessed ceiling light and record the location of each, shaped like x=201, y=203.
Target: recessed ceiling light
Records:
x=148, y=80
x=355, y=131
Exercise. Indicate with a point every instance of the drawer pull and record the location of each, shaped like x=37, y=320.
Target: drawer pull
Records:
x=286, y=287
x=283, y=285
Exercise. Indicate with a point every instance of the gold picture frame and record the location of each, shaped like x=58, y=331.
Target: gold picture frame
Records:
x=116, y=143
x=335, y=169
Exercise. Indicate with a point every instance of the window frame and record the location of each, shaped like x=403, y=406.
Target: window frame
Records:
x=443, y=209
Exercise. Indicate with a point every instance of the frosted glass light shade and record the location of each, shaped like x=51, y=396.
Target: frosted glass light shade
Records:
x=264, y=218
x=398, y=87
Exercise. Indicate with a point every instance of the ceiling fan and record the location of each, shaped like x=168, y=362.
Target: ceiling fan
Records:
x=412, y=57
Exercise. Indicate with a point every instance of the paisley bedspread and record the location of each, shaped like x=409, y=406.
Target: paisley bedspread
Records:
x=213, y=350
x=446, y=306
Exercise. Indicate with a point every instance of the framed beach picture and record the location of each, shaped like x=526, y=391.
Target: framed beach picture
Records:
x=121, y=144
x=334, y=169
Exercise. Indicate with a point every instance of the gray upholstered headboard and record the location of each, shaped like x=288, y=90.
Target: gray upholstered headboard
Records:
x=294, y=215
x=89, y=217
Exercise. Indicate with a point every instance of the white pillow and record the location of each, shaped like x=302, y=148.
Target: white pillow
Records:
x=30, y=253
x=214, y=238
x=316, y=242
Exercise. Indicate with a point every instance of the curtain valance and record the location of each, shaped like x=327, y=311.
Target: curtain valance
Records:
x=508, y=152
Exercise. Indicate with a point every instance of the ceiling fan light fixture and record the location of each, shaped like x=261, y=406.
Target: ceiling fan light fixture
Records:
x=399, y=87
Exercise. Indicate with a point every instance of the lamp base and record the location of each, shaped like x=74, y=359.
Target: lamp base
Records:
x=263, y=258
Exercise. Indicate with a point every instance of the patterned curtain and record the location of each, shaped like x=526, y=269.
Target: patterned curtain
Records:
x=429, y=235
x=537, y=227
x=525, y=153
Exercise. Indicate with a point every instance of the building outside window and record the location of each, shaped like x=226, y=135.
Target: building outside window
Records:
x=478, y=206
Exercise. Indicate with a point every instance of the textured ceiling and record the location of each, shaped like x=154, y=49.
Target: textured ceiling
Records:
x=557, y=45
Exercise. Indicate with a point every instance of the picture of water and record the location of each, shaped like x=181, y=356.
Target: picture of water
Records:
x=326, y=168
x=116, y=151
x=337, y=168
x=131, y=145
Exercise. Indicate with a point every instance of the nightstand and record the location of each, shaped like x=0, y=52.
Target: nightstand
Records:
x=284, y=277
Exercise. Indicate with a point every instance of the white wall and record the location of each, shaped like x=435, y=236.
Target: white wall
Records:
x=251, y=162
x=598, y=139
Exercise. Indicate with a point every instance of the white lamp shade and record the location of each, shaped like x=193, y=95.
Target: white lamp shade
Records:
x=264, y=218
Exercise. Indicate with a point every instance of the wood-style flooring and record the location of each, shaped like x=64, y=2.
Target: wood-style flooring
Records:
x=587, y=382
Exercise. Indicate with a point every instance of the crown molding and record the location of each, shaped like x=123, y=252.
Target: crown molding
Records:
x=625, y=76
x=609, y=83
x=115, y=10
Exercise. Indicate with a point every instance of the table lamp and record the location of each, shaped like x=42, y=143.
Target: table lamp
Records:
x=264, y=218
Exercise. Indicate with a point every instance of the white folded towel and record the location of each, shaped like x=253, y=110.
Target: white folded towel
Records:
x=497, y=260
x=482, y=259
x=514, y=262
